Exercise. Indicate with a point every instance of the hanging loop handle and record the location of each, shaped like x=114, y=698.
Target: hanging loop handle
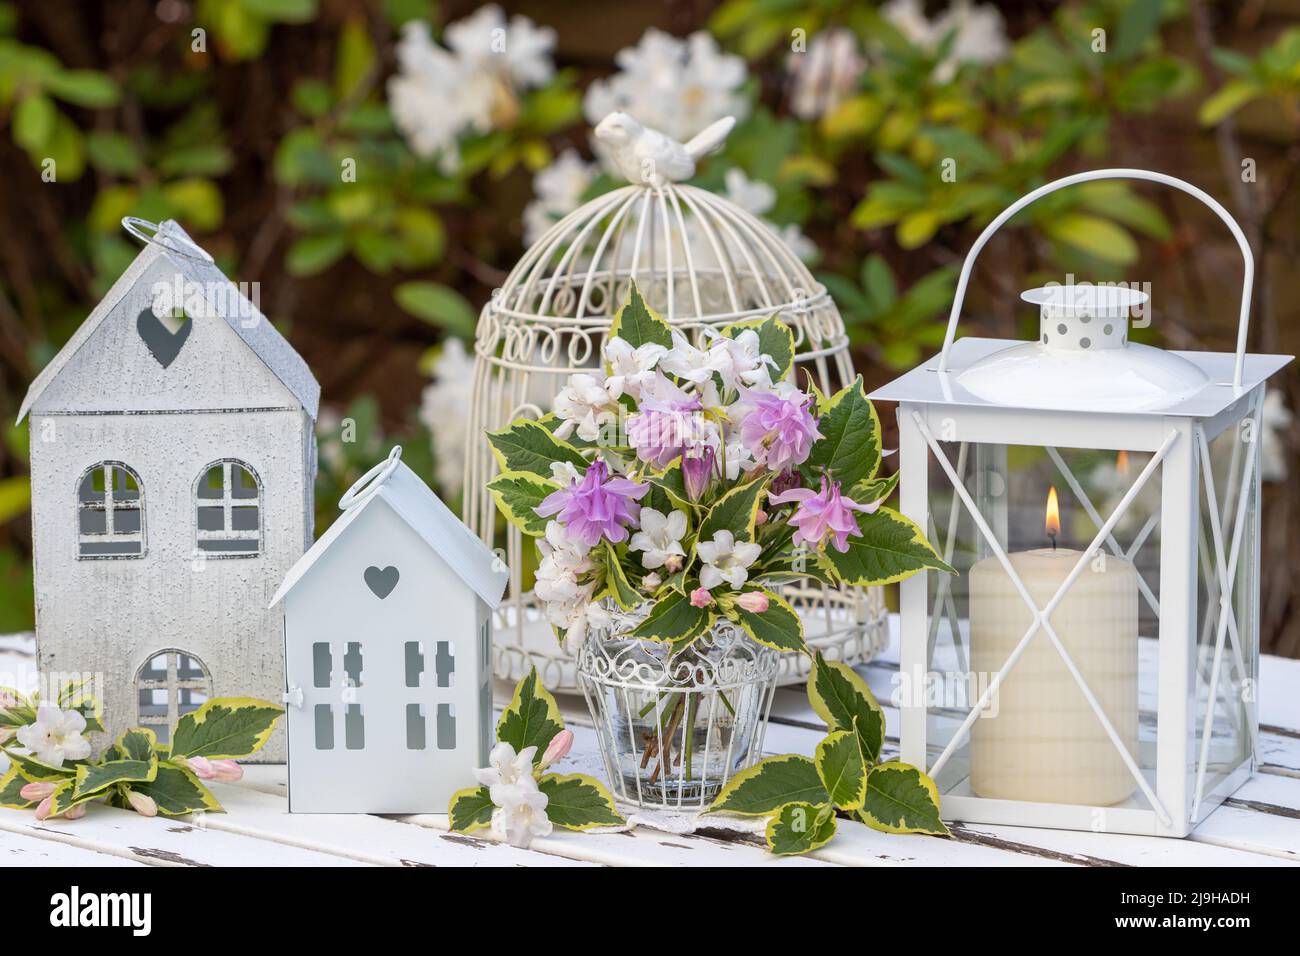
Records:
x=369, y=482
x=1248, y=279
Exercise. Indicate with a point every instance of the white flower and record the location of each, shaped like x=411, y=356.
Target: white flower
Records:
x=630, y=368
x=651, y=581
x=758, y=198
x=660, y=537
x=565, y=472
x=677, y=86
x=563, y=559
x=506, y=768
x=792, y=236
x=726, y=560
x=1273, y=447
x=686, y=361
x=520, y=51
x=576, y=615
x=825, y=74
x=55, y=736
x=520, y=815
x=442, y=410
x=581, y=404
x=558, y=190
x=740, y=360
x=420, y=95
x=979, y=34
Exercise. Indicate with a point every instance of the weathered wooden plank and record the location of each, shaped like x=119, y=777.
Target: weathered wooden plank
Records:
x=20, y=849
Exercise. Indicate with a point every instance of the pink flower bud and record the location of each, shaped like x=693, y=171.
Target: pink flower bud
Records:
x=142, y=803
x=673, y=564
x=760, y=517
x=227, y=771
x=651, y=581
x=202, y=767
x=76, y=813
x=755, y=602
x=701, y=597
x=559, y=746
x=44, y=807
x=38, y=790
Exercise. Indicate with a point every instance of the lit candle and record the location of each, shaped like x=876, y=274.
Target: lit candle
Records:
x=1043, y=741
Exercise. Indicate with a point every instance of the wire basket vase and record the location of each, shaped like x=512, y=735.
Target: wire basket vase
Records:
x=673, y=730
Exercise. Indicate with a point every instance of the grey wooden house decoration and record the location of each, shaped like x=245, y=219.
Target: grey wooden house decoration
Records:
x=388, y=649
x=173, y=457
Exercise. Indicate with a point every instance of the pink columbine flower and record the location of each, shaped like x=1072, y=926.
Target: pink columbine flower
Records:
x=595, y=507
x=697, y=472
x=559, y=747
x=778, y=430
x=701, y=597
x=37, y=790
x=823, y=513
x=755, y=602
x=664, y=428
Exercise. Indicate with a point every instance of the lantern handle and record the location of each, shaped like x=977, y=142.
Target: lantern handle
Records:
x=1248, y=279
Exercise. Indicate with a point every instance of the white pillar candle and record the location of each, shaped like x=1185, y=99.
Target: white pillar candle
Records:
x=1045, y=742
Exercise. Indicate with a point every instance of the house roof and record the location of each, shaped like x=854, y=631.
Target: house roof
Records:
x=416, y=504
x=196, y=266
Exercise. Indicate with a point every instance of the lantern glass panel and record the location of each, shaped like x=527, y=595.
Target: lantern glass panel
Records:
x=1232, y=643
x=1039, y=738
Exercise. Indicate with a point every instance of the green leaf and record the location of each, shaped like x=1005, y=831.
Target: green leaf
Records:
x=890, y=548
x=736, y=511
x=774, y=340
x=849, y=448
x=779, y=626
x=10, y=784
x=843, y=769
x=138, y=743
x=92, y=778
x=625, y=595
x=638, y=324
x=113, y=152
x=355, y=56
x=282, y=11
x=874, y=489
x=769, y=785
x=1231, y=97
x=517, y=494
x=1093, y=235
x=1137, y=23
x=34, y=119
x=470, y=809
x=439, y=305
x=65, y=797
x=225, y=728
x=673, y=619
x=841, y=697
x=578, y=802
x=88, y=88
x=312, y=254
x=532, y=718
x=800, y=827
x=530, y=447
x=33, y=769
x=176, y=790
x=901, y=799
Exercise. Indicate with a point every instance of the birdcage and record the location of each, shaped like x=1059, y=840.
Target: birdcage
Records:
x=699, y=260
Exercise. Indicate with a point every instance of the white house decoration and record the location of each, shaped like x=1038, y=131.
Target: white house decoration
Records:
x=388, y=648
x=173, y=456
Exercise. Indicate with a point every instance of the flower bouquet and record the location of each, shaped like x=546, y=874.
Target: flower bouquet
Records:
x=673, y=492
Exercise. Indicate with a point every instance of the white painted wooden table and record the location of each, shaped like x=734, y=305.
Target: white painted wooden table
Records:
x=1259, y=826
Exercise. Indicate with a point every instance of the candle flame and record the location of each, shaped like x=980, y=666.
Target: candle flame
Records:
x=1053, y=523
x=1121, y=463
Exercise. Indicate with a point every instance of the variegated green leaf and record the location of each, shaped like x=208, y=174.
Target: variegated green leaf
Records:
x=176, y=790
x=901, y=799
x=92, y=778
x=578, y=802
x=35, y=770
x=532, y=718
x=736, y=511
x=779, y=626
x=10, y=784
x=65, y=797
x=470, y=809
x=672, y=619
x=849, y=449
x=890, y=548
x=138, y=743
x=639, y=324
x=225, y=728
x=874, y=489
x=799, y=828
x=843, y=769
x=527, y=446
x=774, y=340
x=517, y=495
x=769, y=785
x=623, y=592
x=841, y=698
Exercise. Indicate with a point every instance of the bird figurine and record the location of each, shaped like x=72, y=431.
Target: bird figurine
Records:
x=645, y=155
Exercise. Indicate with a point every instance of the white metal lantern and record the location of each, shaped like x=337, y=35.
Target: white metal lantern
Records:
x=1096, y=671
x=700, y=261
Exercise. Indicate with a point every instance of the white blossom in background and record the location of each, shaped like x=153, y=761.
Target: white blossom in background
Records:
x=757, y=199
x=441, y=93
x=1273, y=449
x=823, y=75
x=677, y=86
x=557, y=191
x=980, y=34
x=443, y=406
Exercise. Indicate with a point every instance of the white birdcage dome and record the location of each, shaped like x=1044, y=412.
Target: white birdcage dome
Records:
x=700, y=261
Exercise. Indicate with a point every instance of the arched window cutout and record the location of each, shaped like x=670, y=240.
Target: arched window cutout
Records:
x=170, y=684
x=110, y=512
x=228, y=510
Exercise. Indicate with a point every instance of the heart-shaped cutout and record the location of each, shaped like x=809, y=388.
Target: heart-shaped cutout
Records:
x=162, y=342
x=381, y=580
